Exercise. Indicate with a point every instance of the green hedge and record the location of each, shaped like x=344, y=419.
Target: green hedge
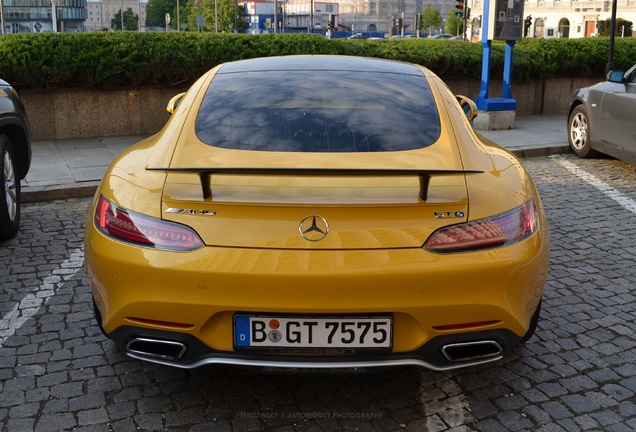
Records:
x=131, y=59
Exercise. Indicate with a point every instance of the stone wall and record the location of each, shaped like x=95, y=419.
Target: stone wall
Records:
x=83, y=113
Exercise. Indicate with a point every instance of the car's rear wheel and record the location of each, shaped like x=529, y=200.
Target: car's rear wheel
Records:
x=10, y=196
x=579, y=133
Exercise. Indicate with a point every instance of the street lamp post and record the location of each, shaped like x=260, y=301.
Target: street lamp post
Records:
x=610, y=60
x=1, y=17
x=53, y=15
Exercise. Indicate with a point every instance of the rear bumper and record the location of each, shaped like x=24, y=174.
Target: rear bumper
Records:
x=483, y=301
x=441, y=353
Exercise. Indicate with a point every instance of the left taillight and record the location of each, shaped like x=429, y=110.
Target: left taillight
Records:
x=130, y=227
x=500, y=230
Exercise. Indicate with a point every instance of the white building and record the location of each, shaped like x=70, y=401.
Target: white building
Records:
x=551, y=18
x=298, y=14
x=376, y=15
x=101, y=12
x=561, y=18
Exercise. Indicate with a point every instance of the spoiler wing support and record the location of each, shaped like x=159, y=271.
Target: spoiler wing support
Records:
x=424, y=175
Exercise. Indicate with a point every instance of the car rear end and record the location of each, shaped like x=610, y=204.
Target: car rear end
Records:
x=306, y=228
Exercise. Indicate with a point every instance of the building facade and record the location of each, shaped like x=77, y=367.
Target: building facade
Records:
x=280, y=16
x=101, y=12
x=550, y=18
x=377, y=15
x=262, y=16
x=35, y=16
x=298, y=14
x=561, y=18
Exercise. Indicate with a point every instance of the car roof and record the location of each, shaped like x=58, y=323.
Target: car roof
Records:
x=320, y=62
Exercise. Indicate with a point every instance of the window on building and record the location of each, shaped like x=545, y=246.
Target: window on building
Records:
x=539, y=28
x=564, y=28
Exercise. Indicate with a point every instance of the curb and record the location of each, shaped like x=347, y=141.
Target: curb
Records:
x=50, y=193
x=543, y=151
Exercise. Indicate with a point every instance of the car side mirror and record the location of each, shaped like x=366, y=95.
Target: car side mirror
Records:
x=468, y=106
x=174, y=102
x=616, y=76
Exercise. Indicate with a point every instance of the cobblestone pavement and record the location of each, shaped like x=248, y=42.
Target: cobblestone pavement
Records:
x=57, y=372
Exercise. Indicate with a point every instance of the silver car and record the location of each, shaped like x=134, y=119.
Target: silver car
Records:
x=602, y=118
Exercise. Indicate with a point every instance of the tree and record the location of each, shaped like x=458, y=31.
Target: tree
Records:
x=130, y=19
x=230, y=15
x=623, y=27
x=431, y=19
x=156, y=11
x=454, y=24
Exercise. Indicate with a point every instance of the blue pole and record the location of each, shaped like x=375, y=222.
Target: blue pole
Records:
x=485, y=63
x=507, y=75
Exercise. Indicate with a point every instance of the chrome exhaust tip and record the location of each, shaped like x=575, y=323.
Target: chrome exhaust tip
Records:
x=156, y=348
x=467, y=351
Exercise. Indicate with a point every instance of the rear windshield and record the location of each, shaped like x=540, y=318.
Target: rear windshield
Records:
x=309, y=111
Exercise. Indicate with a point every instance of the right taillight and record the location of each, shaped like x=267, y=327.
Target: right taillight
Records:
x=503, y=229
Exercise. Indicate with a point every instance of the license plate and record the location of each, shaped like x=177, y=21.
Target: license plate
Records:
x=288, y=333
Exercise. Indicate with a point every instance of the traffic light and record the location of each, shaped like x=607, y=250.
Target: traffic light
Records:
x=459, y=8
x=330, y=22
x=417, y=22
x=526, y=25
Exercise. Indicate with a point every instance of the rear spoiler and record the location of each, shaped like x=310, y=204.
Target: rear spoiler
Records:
x=424, y=175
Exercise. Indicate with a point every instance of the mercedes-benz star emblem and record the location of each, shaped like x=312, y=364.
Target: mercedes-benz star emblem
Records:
x=313, y=228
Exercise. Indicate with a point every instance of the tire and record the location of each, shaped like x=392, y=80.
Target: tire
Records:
x=579, y=133
x=534, y=321
x=10, y=194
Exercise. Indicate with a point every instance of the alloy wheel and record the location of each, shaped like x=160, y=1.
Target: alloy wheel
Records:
x=10, y=186
x=578, y=131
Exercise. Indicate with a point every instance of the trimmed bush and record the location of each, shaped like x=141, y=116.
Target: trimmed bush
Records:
x=130, y=59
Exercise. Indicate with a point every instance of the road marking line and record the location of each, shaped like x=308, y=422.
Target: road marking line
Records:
x=29, y=306
x=625, y=201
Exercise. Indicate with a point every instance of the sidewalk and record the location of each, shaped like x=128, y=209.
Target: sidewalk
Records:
x=74, y=167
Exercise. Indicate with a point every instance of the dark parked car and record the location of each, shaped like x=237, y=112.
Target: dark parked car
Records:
x=15, y=149
x=602, y=117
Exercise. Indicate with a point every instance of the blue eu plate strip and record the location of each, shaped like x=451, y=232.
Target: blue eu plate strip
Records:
x=242, y=331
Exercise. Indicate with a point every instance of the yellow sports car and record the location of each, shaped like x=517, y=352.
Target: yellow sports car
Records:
x=317, y=212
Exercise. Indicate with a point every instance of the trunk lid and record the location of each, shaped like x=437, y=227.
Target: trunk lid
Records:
x=315, y=201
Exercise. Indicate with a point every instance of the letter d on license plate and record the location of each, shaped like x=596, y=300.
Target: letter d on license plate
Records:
x=313, y=332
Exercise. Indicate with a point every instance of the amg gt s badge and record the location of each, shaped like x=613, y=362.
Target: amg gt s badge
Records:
x=191, y=211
